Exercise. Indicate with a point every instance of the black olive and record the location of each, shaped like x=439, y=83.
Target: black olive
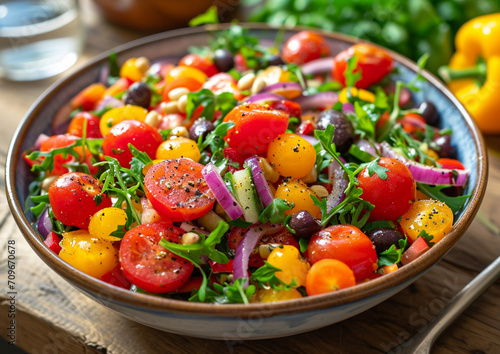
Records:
x=383, y=239
x=200, y=127
x=223, y=60
x=274, y=60
x=343, y=137
x=138, y=94
x=442, y=145
x=304, y=225
x=429, y=113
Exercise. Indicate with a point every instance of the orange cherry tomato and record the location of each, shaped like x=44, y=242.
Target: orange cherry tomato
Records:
x=373, y=63
x=187, y=82
x=255, y=127
x=87, y=99
x=451, y=164
x=305, y=46
x=328, y=275
x=76, y=126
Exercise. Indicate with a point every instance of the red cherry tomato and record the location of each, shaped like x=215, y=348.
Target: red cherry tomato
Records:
x=305, y=46
x=62, y=140
x=233, y=155
x=374, y=64
x=223, y=82
x=201, y=63
x=76, y=126
x=391, y=196
x=150, y=266
x=417, y=248
x=141, y=135
x=73, y=198
x=305, y=128
x=451, y=164
x=413, y=122
x=291, y=108
x=117, y=278
x=221, y=268
x=52, y=241
x=281, y=238
x=177, y=190
x=347, y=244
x=255, y=127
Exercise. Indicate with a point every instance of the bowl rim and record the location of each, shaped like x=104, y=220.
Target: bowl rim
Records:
x=305, y=304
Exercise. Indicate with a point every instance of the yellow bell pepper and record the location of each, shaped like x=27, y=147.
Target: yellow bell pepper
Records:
x=473, y=74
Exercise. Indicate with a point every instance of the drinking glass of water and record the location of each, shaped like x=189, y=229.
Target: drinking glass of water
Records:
x=38, y=38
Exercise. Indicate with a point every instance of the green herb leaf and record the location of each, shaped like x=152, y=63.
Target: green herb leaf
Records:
x=266, y=276
x=208, y=17
x=352, y=73
x=374, y=167
x=427, y=237
x=393, y=254
x=303, y=244
x=275, y=212
x=435, y=192
x=204, y=98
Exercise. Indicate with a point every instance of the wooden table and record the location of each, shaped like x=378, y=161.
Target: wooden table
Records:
x=54, y=317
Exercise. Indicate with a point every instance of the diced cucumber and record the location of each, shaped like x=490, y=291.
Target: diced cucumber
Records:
x=246, y=194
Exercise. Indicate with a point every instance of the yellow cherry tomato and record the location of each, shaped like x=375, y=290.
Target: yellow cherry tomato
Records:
x=293, y=266
x=360, y=93
x=291, y=155
x=117, y=115
x=272, y=295
x=296, y=191
x=106, y=221
x=177, y=147
x=433, y=216
x=89, y=254
x=186, y=71
x=135, y=68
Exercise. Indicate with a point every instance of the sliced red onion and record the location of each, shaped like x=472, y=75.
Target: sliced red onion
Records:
x=263, y=190
x=247, y=245
x=366, y=146
x=222, y=194
x=318, y=66
x=427, y=174
x=339, y=184
x=109, y=101
x=103, y=75
x=311, y=139
x=317, y=101
x=44, y=224
x=264, y=97
x=348, y=108
x=283, y=86
x=191, y=228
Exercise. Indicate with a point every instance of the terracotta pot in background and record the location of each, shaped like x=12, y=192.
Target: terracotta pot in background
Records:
x=160, y=15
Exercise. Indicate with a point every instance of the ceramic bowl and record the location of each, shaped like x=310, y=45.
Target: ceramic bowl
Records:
x=254, y=321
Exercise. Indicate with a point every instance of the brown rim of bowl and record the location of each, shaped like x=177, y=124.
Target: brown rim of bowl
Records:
x=318, y=302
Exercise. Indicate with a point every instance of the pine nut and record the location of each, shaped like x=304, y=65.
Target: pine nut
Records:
x=169, y=107
x=142, y=63
x=264, y=251
x=270, y=174
x=182, y=103
x=189, y=238
x=177, y=93
x=179, y=131
x=47, y=182
x=311, y=177
x=319, y=190
x=245, y=83
x=258, y=85
x=153, y=119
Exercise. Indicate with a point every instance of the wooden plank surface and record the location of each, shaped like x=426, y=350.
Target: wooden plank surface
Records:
x=54, y=317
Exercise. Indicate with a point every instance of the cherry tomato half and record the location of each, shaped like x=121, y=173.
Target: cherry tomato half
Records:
x=304, y=47
x=62, y=140
x=393, y=195
x=73, y=198
x=141, y=135
x=177, y=190
x=255, y=127
x=150, y=266
x=201, y=63
x=374, y=64
x=348, y=244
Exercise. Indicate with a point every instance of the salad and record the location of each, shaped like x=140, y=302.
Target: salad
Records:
x=246, y=173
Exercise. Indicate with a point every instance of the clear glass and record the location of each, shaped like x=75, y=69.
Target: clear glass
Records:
x=38, y=38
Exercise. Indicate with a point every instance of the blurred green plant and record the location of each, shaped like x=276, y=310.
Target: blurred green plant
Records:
x=409, y=27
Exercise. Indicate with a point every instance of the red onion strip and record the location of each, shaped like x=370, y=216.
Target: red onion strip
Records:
x=263, y=190
x=339, y=184
x=191, y=228
x=264, y=97
x=247, y=245
x=44, y=224
x=283, y=86
x=317, y=101
x=109, y=101
x=318, y=66
x=222, y=194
